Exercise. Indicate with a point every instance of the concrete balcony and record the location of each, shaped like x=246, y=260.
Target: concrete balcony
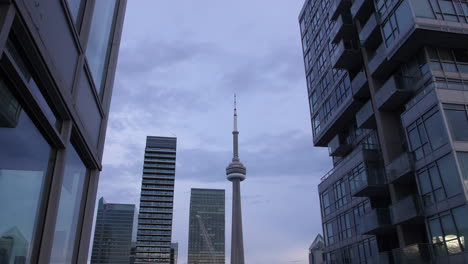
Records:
x=346, y=56
x=338, y=6
x=338, y=146
x=362, y=153
x=370, y=34
x=360, y=86
x=376, y=61
x=365, y=116
x=341, y=117
x=369, y=183
x=341, y=30
x=401, y=168
x=414, y=254
x=407, y=210
x=361, y=9
x=376, y=221
x=394, y=93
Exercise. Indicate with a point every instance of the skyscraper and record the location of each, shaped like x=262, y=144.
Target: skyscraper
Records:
x=387, y=84
x=236, y=173
x=57, y=71
x=113, y=233
x=174, y=252
x=156, y=202
x=207, y=226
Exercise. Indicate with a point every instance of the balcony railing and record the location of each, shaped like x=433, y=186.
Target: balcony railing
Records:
x=394, y=93
x=361, y=9
x=338, y=6
x=378, y=58
x=364, y=149
x=338, y=146
x=369, y=183
x=406, y=210
x=360, y=86
x=346, y=56
x=400, y=167
x=370, y=33
x=342, y=29
x=376, y=221
x=365, y=116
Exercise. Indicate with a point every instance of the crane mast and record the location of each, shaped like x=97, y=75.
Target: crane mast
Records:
x=206, y=238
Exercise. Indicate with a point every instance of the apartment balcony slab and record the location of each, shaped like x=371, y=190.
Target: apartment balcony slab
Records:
x=342, y=116
x=361, y=9
x=377, y=221
x=407, y=210
x=338, y=6
x=360, y=86
x=369, y=183
x=370, y=34
x=365, y=116
x=342, y=29
x=362, y=153
x=392, y=95
x=401, y=169
x=346, y=56
x=338, y=146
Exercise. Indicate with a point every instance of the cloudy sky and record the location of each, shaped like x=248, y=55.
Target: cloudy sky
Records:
x=180, y=64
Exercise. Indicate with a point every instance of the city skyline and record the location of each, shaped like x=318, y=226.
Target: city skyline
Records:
x=185, y=83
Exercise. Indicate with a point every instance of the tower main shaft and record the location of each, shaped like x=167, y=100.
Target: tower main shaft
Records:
x=236, y=173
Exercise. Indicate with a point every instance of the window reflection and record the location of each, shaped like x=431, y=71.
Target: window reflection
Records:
x=74, y=6
x=98, y=49
x=24, y=156
x=69, y=208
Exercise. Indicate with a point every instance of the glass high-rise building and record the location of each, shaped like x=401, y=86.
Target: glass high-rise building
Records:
x=57, y=70
x=156, y=201
x=174, y=253
x=206, y=242
x=388, y=86
x=113, y=233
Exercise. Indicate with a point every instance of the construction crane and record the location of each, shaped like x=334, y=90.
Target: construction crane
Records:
x=206, y=238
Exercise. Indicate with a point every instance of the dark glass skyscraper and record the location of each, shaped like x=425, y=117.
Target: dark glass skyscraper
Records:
x=388, y=86
x=57, y=70
x=113, y=233
x=207, y=227
x=156, y=201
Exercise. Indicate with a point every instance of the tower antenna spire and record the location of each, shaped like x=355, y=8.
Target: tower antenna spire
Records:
x=235, y=112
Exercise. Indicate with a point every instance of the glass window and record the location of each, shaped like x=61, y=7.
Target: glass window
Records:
x=449, y=174
x=69, y=208
x=461, y=215
x=24, y=158
x=98, y=49
x=435, y=130
x=24, y=69
x=458, y=123
x=422, y=8
x=75, y=6
x=463, y=162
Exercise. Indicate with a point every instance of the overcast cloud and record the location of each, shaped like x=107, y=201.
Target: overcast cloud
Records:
x=180, y=63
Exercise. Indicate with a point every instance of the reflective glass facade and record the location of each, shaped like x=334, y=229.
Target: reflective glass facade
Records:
x=397, y=135
x=156, y=201
x=113, y=233
x=207, y=226
x=52, y=129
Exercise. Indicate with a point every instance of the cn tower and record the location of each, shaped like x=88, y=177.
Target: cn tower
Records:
x=236, y=173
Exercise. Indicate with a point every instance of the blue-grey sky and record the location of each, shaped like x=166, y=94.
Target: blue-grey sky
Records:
x=180, y=63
